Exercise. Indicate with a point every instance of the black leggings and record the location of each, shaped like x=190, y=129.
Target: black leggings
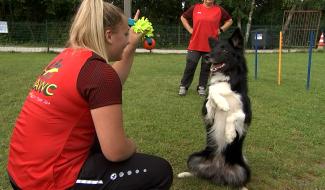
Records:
x=192, y=60
x=140, y=172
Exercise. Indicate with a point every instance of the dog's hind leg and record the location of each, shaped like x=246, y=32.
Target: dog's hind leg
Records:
x=239, y=122
x=185, y=174
x=230, y=130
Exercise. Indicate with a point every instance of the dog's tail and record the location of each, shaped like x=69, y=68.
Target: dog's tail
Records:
x=218, y=170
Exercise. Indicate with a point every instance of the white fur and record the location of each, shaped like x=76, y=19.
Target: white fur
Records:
x=224, y=111
x=225, y=114
x=185, y=174
x=189, y=174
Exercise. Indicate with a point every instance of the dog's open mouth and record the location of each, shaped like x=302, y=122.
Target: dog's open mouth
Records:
x=217, y=67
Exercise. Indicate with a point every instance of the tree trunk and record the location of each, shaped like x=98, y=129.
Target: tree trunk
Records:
x=239, y=22
x=286, y=25
x=249, y=23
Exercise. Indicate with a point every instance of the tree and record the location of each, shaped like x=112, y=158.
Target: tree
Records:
x=249, y=23
x=240, y=10
x=38, y=10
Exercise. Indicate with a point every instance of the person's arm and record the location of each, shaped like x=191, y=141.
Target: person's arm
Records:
x=186, y=16
x=99, y=85
x=225, y=26
x=123, y=67
x=108, y=121
x=227, y=21
x=186, y=24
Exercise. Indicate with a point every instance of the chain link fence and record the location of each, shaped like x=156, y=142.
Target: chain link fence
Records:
x=54, y=34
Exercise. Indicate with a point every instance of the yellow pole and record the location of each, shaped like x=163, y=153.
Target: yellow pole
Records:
x=280, y=59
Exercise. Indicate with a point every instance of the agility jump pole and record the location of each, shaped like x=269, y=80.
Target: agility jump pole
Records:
x=310, y=52
x=280, y=59
x=256, y=58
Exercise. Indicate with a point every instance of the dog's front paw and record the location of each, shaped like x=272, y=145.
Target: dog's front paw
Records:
x=223, y=105
x=230, y=136
x=219, y=102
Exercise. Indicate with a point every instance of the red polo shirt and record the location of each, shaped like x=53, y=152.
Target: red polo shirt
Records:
x=206, y=23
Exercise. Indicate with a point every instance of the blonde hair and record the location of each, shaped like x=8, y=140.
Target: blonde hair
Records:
x=89, y=25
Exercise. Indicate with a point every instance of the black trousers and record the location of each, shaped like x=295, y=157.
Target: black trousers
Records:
x=140, y=172
x=192, y=60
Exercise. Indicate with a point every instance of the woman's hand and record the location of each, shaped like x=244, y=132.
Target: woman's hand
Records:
x=134, y=38
x=190, y=30
x=123, y=66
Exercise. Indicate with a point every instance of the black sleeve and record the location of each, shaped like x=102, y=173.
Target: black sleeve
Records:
x=188, y=14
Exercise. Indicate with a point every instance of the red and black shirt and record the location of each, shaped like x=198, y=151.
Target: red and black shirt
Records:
x=54, y=130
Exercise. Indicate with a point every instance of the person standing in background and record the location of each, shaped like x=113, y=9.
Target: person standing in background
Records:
x=209, y=20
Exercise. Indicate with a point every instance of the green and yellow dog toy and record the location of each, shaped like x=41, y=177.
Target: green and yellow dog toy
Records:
x=144, y=26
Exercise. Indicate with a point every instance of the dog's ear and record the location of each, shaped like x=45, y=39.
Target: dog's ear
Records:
x=212, y=42
x=237, y=39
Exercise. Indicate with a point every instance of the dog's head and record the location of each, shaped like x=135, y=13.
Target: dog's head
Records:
x=227, y=55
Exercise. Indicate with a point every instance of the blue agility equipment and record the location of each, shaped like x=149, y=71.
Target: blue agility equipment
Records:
x=256, y=56
x=310, y=52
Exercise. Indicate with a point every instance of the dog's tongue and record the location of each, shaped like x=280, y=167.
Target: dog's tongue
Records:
x=216, y=67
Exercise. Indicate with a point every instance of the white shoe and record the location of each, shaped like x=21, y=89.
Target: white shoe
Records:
x=182, y=91
x=201, y=90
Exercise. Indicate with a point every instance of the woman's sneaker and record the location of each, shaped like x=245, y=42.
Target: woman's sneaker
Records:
x=201, y=90
x=182, y=91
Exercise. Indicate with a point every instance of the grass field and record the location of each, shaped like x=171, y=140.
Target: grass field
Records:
x=285, y=145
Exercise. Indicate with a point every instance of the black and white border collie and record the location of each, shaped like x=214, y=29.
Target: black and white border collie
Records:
x=227, y=115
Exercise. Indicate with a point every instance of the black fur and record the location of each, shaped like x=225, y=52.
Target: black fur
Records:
x=226, y=167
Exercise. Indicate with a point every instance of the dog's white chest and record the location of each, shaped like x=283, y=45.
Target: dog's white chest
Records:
x=224, y=113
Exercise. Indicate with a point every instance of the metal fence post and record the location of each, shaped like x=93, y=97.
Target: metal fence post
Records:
x=47, y=37
x=178, y=35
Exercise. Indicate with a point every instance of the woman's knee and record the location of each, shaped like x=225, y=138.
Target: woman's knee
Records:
x=163, y=173
x=165, y=167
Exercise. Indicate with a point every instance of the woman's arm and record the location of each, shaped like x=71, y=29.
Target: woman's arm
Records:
x=108, y=121
x=186, y=25
x=226, y=25
x=123, y=67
